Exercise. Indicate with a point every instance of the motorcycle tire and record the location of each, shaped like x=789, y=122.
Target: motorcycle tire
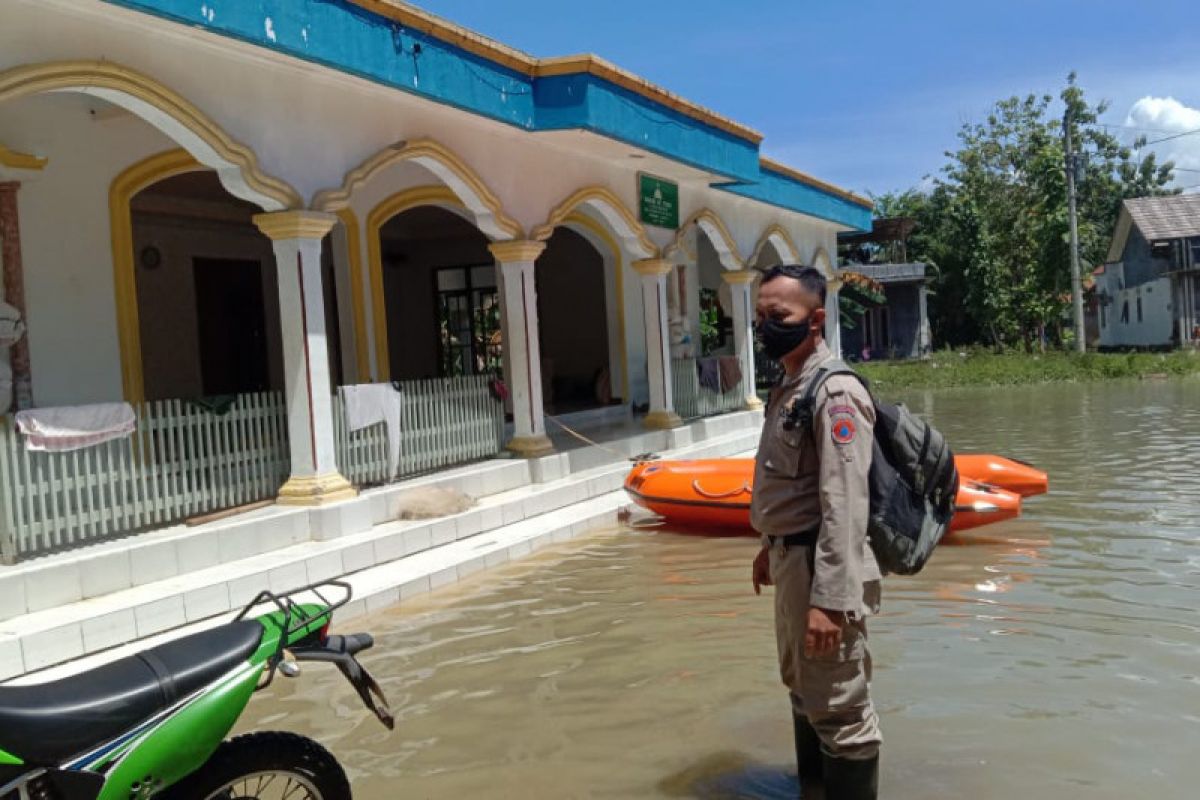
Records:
x=260, y=760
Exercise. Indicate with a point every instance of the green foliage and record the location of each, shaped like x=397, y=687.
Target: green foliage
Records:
x=853, y=302
x=994, y=223
x=710, y=321
x=985, y=367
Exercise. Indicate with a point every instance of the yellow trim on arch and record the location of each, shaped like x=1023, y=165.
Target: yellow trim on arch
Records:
x=339, y=198
x=709, y=216
x=362, y=354
x=380, y=214
x=601, y=194
x=775, y=229
x=105, y=77
x=133, y=180
x=15, y=160
x=602, y=233
x=821, y=257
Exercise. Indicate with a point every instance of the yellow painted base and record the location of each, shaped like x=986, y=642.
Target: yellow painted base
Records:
x=530, y=446
x=316, y=490
x=753, y=404
x=662, y=420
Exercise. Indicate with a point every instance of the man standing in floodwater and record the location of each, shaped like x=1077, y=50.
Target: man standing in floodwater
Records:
x=811, y=504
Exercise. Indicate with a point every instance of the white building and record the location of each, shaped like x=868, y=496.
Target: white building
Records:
x=220, y=212
x=1148, y=292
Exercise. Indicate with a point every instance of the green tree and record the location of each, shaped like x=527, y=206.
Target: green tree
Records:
x=994, y=224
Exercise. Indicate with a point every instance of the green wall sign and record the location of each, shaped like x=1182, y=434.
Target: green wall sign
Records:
x=658, y=201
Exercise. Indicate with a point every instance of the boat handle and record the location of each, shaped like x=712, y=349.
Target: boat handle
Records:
x=719, y=495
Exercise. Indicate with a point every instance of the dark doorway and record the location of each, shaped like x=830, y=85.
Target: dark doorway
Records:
x=232, y=326
x=573, y=324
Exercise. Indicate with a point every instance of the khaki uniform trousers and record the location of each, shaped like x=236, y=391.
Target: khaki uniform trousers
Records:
x=832, y=691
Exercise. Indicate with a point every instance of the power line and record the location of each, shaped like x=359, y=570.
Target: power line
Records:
x=1174, y=136
x=1132, y=128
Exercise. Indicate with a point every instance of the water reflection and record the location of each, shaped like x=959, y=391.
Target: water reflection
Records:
x=731, y=776
x=1057, y=655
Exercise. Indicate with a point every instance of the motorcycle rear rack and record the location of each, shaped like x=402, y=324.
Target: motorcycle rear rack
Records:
x=295, y=618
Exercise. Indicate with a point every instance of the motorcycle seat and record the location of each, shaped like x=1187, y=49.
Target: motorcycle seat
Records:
x=46, y=724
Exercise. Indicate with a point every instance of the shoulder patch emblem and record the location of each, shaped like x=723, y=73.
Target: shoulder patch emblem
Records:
x=842, y=429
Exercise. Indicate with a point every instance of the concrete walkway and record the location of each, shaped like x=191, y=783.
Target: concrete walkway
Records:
x=70, y=611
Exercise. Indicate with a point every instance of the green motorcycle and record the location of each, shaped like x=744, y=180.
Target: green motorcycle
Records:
x=153, y=725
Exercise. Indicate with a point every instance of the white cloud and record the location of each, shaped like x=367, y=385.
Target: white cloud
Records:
x=1164, y=116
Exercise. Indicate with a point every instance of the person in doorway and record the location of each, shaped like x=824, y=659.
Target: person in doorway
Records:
x=811, y=504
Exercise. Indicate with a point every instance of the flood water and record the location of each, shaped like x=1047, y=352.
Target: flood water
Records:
x=1057, y=655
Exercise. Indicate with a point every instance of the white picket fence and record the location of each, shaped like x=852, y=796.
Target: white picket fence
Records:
x=692, y=401
x=181, y=462
x=184, y=461
x=443, y=421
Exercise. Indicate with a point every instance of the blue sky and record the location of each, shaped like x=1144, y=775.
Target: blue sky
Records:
x=870, y=94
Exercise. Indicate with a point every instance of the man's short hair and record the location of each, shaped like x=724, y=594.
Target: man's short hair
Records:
x=809, y=277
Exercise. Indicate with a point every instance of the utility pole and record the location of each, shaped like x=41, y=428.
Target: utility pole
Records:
x=1076, y=283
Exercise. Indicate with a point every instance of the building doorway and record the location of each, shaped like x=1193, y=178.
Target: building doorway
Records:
x=232, y=325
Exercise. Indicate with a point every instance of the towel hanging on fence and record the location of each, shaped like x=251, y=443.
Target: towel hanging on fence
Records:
x=369, y=404
x=66, y=428
x=731, y=372
x=709, y=372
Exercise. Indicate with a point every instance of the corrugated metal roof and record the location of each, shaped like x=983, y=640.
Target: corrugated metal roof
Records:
x=891, y=273
x=1160, y=218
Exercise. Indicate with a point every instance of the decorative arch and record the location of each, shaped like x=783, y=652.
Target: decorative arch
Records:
x=714, y=228
x=134, y=179
x=434, y=195
x=469, y=190
x=605, y=203
x=235, y=164
x=822, y=262
x=780, y=240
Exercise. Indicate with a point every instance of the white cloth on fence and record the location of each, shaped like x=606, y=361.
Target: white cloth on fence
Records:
x=59, y=430
x=368, y=404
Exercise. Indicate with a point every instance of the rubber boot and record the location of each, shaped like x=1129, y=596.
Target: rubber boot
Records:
x=808, y=758
x=850, y=779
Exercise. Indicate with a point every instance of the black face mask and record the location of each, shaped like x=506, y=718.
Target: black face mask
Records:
x=780, y=338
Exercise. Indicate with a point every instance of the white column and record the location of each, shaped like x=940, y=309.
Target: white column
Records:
x=296, y=237
x=1189, y=300
x=925, y=335
x=833, y=317
x=653, y=272
x=741, y=284
x=519, y=325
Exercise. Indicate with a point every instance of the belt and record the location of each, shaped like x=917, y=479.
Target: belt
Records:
x=802, y=539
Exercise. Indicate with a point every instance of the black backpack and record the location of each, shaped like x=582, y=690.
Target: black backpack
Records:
x=913, y=480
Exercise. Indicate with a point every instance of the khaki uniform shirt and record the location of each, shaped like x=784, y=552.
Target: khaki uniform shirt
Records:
x=806, y=478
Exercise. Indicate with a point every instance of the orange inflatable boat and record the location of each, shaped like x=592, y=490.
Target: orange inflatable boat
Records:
x=1006, y=473
x=715, y=493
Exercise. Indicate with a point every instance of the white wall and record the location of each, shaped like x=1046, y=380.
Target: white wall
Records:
x=1154, y=330
x=310, y=126
x=167, y=299
x=66, y=245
